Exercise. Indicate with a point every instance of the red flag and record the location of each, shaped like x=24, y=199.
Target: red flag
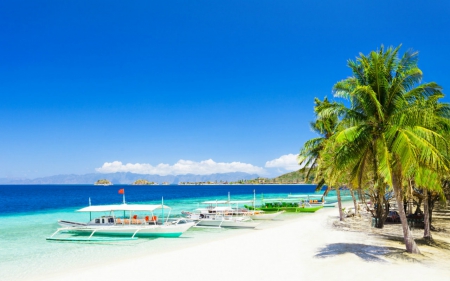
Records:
x=121, y=191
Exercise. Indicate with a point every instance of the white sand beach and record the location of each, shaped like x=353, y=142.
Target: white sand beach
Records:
x=307, y=247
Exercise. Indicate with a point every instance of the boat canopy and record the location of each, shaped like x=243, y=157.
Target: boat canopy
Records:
x=228, y=202
x=123, y=207
x=219, y=209
x=281, y=199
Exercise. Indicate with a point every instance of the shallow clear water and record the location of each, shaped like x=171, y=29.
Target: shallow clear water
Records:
x=29, y=214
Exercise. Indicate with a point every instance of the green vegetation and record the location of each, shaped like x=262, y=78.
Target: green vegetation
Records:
x=389, y=135
x=103, y=182
x=143, y=182
x=201, y=183
x=252, y=181
x=294, y=177
x=288, y=178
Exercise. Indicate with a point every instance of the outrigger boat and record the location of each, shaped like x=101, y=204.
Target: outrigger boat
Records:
x=263, y=215
x=129, y=227
x=314, y=200
x=253, y=214
x=215, y=216
x=294, y=205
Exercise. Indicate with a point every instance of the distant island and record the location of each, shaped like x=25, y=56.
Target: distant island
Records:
x=295, y=177
x=202, y=182
x=103, y=182
x=129, y=178
x=143, y=182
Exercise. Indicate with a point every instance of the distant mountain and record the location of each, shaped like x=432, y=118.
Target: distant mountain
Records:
x=129, y=178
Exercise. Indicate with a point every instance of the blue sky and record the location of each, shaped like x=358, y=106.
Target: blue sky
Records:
x=84, y=83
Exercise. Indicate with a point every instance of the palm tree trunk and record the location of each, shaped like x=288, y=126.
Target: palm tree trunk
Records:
x=426, y=212
x=379, y=210
x=386, y=210
x=418, y=206
x=362, y=199
x=354, y=202
x=430, y=209
x=411, y=246
x=341, y=213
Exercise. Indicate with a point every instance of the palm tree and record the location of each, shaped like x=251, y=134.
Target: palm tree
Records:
x=311, y=155
x=357, y=173
x=431, y=181
x=385, y=126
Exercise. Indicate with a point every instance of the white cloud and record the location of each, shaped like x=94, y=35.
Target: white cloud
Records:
x=287, y=162
x=182, y=167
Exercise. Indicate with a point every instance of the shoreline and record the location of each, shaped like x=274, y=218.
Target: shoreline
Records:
x=299, y=247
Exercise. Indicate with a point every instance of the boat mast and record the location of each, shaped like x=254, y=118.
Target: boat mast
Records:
x=254, y=200
x=162, y=206
x=262, y=200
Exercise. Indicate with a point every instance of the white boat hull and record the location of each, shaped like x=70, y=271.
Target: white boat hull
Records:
x=71, y=223
x=227, y=223
x=324, y=204
x=166, y=230
x=264, y=216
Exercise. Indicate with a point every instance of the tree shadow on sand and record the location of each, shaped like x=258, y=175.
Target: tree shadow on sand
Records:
x=365, y=252
x=436, y=243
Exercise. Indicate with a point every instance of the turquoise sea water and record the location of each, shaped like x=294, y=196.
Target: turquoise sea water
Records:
x=29, y=214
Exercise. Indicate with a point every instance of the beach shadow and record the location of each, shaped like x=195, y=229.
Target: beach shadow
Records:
x=365, y=252
x=437, y=243
x=445, y=218
x=390, y=237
